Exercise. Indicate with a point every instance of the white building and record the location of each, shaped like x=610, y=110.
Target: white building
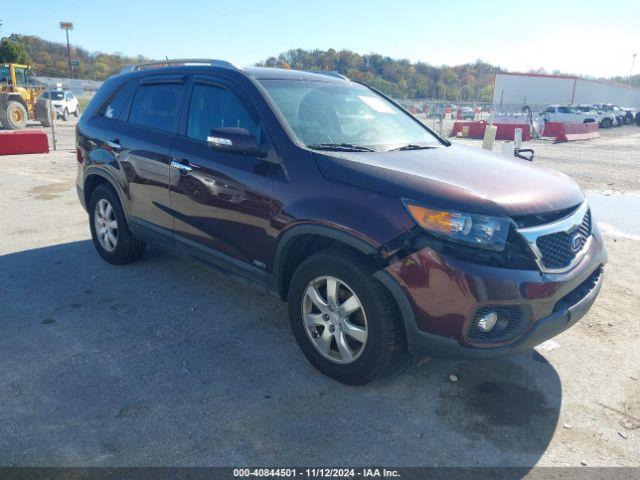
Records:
x=518, y=89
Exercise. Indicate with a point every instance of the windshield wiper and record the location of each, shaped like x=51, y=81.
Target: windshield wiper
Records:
x=341, y=147
x=412, y=146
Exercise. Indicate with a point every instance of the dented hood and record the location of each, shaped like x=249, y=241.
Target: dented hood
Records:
x=456, y=177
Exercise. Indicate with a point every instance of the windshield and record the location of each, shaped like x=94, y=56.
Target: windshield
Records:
x=54, y=95
x=322, y=113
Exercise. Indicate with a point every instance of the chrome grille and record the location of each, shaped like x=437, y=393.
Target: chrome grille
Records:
x=556, y=249
x=558, y=246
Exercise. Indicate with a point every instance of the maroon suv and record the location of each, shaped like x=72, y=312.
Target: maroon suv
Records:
x=382, y=236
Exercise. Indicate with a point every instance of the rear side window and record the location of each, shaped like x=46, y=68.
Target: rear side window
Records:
x=214, y=107
x=116, y=104
x=156, y=106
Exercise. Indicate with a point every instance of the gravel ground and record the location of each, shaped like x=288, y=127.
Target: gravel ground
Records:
x=610, y=163
x=166, y=362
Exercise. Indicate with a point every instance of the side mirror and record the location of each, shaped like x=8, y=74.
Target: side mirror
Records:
x=234, y=140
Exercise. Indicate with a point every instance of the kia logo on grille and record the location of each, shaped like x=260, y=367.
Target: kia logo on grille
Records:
x=577, y=242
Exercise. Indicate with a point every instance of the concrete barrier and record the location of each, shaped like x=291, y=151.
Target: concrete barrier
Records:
x=469, y=129
x=507, y=131
x=475, y=129
x=577, y=131
x=552, y=129
x=23, y=141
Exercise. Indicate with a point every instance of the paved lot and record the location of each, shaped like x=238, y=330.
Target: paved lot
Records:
x=166, y=362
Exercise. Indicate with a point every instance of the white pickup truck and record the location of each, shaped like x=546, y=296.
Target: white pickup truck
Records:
x=568, y=114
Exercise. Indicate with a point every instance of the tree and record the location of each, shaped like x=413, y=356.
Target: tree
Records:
x=13, y=52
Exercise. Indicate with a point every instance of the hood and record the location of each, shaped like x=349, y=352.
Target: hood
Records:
x=456, y=177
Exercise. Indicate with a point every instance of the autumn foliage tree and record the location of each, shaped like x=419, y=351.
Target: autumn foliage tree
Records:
x=398, y=78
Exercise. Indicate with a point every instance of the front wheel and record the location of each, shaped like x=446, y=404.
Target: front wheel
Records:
x=109, y=230
x=606, y=123
x=344, y=320
x=14, y=116
x=65, y=115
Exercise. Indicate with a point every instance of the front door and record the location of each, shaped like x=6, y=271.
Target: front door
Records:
x=221, y=201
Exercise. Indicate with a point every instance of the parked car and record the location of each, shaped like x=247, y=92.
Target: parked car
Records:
x=467, y=113
x=614, y=110
x=568, y=114
x=604, y=119
x=383, y=237
x=630, y=115
x=64, y=102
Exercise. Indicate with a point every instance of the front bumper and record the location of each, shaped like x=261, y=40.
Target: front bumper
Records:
x=442, y=296
x=432, y=345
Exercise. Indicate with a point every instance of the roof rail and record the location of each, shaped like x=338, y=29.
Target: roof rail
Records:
x=179, y=62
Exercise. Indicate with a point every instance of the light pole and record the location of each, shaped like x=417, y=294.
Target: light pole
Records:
x=66, y=26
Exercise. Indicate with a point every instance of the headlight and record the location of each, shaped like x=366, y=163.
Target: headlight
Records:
x=469, y=228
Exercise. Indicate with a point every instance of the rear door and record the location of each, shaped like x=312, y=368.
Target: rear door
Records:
x=143, y=147
x=221, y=201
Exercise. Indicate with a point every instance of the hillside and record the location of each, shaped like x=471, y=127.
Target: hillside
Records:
x=398, y=78
x=50, y=59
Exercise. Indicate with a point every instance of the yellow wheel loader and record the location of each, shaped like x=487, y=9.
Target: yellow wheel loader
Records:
x=20, y=98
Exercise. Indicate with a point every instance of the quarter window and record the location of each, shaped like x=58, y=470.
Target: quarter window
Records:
x=115, y=106
x=214, y=107
x=156, y=106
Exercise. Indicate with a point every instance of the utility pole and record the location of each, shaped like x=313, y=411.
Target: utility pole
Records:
x=66, y=26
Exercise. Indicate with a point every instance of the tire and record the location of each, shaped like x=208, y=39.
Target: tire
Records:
x=43, y=114
x=77, y=112
x=65, y=115
x=126, y=248
x=606, y=123
x=14, y=116
x=384, y=343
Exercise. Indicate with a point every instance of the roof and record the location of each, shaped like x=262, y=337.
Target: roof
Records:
x=261, y=73
x=567, y=77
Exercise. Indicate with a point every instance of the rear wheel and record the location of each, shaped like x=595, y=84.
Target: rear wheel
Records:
x=109, y=230
x=14, y=116
x=606, y=123
x=65, y=115
x=343, y=319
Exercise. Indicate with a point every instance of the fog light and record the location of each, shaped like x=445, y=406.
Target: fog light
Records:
x=488, y=321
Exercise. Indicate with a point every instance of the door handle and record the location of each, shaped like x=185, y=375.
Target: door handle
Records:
x=183, y=167
x=114, y=144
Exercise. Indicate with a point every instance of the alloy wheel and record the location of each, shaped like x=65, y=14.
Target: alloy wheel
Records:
x=334, y=319
x=106, y=225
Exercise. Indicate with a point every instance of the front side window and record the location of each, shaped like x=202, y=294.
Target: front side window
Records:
x=21, y=76
x=5, y=75
x=214, y=107
x=330, y=113
x=55, y=95
x=156, y=106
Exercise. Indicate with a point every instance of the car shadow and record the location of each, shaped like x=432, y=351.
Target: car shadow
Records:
x=167, y=362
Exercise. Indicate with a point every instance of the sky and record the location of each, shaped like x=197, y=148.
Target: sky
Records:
x=588, y=37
